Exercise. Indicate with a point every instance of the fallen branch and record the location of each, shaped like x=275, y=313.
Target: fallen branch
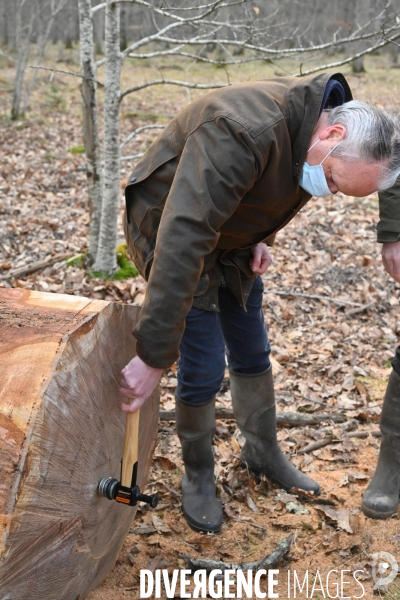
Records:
x=345, y=427
x=330, y=439
x=267, y=562
x=284, y=419
x=34, y=266
x=317, y=297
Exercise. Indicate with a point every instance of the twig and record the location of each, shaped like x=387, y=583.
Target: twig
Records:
x=172, y=492
x=284, y=419
x=357, y=434
x=139, y=130
x=330, y=439
x=66, y=72
x=186, y=84
x=267, y=562
x=308, y=399
x=364, y=434
x=316, y=297
x=264, y=529
x=7, y=56
x=349, y=59
x=355, y=311
x=132, y=156
x=35, y=266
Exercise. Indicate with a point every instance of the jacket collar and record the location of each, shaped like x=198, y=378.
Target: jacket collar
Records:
x=304, y=98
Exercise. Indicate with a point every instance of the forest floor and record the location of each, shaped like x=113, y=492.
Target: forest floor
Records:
x=333, y=317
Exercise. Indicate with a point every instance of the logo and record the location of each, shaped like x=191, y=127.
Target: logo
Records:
x=384, y=568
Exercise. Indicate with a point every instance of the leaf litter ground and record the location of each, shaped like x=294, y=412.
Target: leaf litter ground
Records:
x=333, y=317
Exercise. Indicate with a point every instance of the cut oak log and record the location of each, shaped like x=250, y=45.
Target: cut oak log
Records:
x=61, y=431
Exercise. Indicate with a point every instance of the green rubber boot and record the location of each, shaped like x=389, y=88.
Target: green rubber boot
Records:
x=196, y=427
x=381, y=497
x=253, y=402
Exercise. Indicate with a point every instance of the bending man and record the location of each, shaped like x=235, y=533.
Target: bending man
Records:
x=204, y=203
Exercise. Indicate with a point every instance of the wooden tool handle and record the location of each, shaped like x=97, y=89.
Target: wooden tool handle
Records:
x=131, y=450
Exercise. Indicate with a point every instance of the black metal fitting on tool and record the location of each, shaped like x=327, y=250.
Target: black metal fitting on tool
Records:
x=113, y=490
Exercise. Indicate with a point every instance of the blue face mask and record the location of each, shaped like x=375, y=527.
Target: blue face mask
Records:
x=312, y=178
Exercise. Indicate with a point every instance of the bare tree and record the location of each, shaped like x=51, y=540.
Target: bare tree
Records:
x=23, y=33
x=43, y=37
x=240, y=32
x=90, y=125
x=30, y=19
x=106, y=255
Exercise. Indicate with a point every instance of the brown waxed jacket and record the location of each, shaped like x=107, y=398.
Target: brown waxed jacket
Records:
x=388, y=229
x=222, y=177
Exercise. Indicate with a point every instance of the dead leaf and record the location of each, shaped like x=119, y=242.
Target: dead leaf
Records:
x=159, y=525
x=230, y=510
x=364, y=417
x=340, y=516
x=155, y=563
x=143, y=530
x=362, y=389
x=165, y=462
x=251, y=504
x=276, y=367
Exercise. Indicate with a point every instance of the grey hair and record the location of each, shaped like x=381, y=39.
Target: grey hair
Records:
x=372, y=135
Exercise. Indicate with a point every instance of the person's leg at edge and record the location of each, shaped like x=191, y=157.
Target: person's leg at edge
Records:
x=201, y=369
x=252, y=389
x=381, y=497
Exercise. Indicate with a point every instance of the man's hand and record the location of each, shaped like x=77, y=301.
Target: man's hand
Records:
x=261, y=259
x=138, y=381
x=391, y=259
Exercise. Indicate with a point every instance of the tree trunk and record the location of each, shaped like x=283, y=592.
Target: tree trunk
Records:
x=69, y=30
x=61, y=431
x=98, y=31
x=106, y=260
x=11, y=28
x=42, y=42
x=124, y=28
x=23, y=42
x=357, y=66
x=90, y=125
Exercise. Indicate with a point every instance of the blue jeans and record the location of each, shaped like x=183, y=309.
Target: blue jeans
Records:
x=208, y=335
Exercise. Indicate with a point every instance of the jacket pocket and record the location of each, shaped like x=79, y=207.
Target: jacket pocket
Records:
x=142, y=238
x=241, y=259
x=202, y=285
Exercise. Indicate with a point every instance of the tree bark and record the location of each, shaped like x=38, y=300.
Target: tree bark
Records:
x=61, y=431
x=90, y=125
x=106, y=260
